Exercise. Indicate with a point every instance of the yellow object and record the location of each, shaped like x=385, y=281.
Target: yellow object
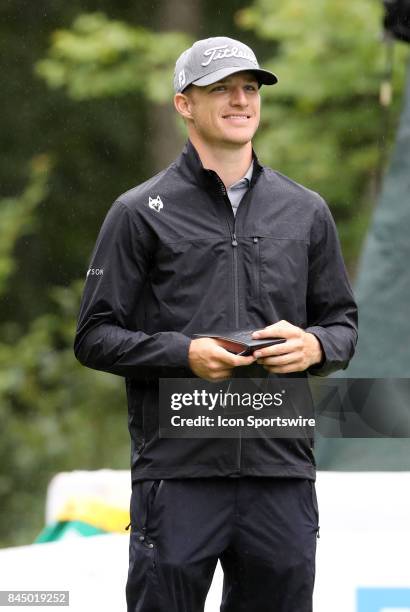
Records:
x=95, y=512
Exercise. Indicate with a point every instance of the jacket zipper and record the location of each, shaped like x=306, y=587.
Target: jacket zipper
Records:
x=234, y=243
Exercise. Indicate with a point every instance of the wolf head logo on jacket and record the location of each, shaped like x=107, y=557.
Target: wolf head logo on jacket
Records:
x=155, y=203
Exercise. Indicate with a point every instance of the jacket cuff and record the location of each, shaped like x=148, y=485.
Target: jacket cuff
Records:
x=180, y=350
x=330, y=361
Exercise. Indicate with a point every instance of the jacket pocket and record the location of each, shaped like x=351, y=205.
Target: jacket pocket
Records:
x=283, y=277
x=143, y=498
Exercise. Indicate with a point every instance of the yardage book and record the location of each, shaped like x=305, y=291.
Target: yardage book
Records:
x=241, y=342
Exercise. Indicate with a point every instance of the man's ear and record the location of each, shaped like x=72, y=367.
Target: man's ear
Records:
x=183, y=104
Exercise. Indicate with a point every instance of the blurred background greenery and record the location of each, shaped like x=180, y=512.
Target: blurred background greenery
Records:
x=86, y=113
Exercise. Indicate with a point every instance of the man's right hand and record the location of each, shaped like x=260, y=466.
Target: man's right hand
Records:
x=208, y=360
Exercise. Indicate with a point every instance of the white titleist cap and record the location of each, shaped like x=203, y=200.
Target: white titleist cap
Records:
x=213, y=59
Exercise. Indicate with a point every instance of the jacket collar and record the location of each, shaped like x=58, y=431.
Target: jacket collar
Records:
x=190, y=165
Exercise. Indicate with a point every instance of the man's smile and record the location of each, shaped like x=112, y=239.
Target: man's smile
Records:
x=235, y=117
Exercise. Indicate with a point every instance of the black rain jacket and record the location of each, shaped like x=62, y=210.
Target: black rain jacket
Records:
x=171, y=260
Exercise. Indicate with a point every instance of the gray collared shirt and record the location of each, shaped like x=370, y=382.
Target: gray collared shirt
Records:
x=238, y=189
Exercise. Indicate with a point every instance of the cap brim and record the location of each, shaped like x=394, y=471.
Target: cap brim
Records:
x=264, y=76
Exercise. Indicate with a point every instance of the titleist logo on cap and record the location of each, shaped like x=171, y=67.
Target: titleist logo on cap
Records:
x=216, y=53
x=213, y=59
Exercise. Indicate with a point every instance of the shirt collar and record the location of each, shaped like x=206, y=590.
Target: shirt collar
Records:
x=244, y=181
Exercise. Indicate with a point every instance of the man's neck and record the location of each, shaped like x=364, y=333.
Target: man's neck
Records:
x=230, y=164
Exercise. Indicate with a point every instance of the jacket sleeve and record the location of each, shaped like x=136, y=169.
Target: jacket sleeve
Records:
x=331, y=307
x=106, y=338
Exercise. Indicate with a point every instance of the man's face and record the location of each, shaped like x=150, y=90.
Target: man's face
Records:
x=227, y=112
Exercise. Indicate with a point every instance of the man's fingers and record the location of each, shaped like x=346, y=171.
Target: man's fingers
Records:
x=281, y=360
x=290, y=346
x=281, y=329
x=273, y=351
x=212, y=362
x=233, y=360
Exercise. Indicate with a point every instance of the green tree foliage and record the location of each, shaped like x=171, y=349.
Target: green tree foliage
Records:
x=99, y=57
x=17, y=215
x=53, y=412
x=55, y=415
x=323, y=124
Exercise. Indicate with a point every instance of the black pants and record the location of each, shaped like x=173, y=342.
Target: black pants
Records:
x=263, y=530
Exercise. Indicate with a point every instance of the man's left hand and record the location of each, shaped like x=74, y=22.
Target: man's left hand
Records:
x=300, y=351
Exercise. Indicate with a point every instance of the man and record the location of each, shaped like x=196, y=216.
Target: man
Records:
x=215, y=242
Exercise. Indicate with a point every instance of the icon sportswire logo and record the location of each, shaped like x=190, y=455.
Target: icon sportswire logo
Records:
x=155, y=203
